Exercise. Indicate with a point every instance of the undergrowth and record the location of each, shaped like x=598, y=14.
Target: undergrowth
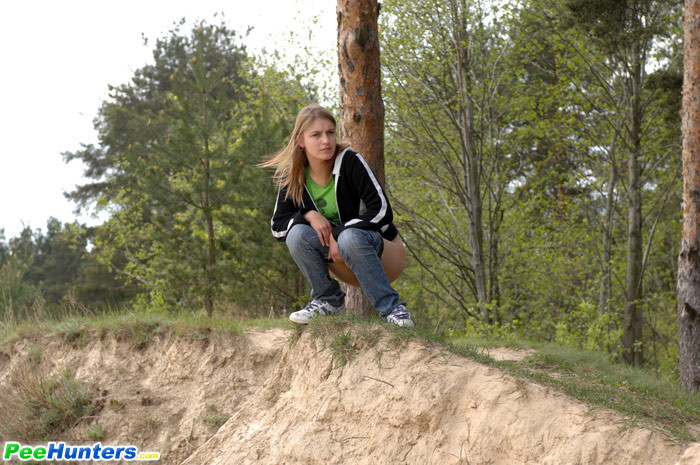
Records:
x=39, y=406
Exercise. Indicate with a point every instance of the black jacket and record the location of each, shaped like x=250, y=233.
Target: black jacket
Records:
x=361, y=200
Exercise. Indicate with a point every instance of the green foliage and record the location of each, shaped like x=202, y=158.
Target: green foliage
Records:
x=20, y=299
x=176, y=171
x=548, y=91
x=53, y=272
x=586, y=329
x=448, y=163
x=56, y=259
x=619, y=24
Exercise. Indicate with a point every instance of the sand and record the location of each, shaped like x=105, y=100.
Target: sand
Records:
x=289, y=403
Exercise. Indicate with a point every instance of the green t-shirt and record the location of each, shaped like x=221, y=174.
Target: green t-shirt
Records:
x=324, y=198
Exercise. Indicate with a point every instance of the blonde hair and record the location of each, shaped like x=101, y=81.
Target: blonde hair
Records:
x=290, y=163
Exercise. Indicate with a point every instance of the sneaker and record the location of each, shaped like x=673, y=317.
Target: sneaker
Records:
x=315, y=308
x=399, y=316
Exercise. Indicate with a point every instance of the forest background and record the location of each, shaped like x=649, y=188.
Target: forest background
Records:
x=556, y=217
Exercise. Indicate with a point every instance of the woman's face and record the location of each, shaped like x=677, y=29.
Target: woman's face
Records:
x=319, y=140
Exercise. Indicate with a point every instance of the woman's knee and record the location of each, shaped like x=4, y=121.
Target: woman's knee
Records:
x=352, y=239
x=299, y=238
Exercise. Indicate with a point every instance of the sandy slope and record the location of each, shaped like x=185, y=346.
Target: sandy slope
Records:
x=419, y=406
x=289, y=405
x=159, y=397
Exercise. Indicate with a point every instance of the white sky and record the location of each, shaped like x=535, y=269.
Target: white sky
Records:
x=58, y=58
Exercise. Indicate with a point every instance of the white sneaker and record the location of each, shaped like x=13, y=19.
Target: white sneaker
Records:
x=315, y=308
x=400, y=317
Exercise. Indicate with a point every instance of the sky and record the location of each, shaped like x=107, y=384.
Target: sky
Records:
x=58, y=59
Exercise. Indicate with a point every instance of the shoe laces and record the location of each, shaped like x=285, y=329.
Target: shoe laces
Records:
x=400, y=312
x=313, y=305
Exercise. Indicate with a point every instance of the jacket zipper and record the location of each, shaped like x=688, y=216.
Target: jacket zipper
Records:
x=312, y=199
x=335, y=192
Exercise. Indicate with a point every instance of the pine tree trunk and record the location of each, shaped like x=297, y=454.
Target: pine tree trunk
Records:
x=362, y=108
x=689, y=257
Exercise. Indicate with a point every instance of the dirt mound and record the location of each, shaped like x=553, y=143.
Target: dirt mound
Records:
x=691, y=456
x=168, y=395
x=418, y=405
x=393, y=402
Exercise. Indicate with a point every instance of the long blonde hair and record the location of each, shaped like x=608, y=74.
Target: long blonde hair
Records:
x=290, y=163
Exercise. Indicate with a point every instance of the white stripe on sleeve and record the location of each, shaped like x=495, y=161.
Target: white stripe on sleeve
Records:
x=382, y=210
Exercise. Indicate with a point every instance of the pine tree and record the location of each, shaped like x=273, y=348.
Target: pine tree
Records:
x=362, y=108
x=689, y=258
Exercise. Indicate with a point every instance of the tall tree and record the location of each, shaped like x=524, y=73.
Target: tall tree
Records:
x=450, y=96
x=689, y=258
x=361, y=105
x=127, y=121
x=625, y=31
x=174, y=168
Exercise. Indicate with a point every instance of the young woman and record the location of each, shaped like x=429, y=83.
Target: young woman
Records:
x=331, y=209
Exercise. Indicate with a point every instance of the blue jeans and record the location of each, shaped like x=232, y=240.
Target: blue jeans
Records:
x=360, y=249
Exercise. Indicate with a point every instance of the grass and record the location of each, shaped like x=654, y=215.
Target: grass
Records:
x=95, y=433
x=136, y=327
x=344, y=336
x=215, y=420
x=342, y=348
x=149, y=427
x=638, y=394
x=38, y=406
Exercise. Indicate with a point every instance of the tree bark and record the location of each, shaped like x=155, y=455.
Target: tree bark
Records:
x=361, y=105
x=209, y=271
x=472, y=171
x=689, y=257
x=633, y=320
x=206, y=208
x=608, y=227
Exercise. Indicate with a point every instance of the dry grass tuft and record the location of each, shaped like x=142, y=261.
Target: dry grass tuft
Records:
x=39, y=406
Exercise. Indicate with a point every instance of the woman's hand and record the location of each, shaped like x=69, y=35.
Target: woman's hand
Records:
x=321, y=225
x=333, y=252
